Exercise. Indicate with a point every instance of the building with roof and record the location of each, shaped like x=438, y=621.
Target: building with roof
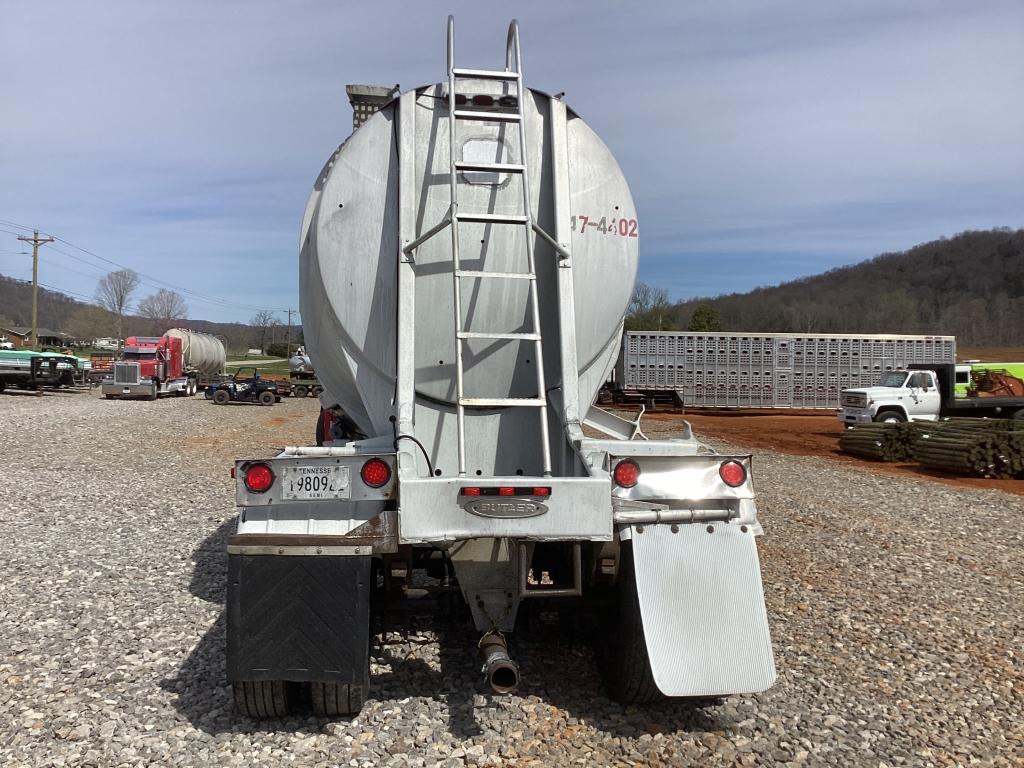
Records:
x=21, y=335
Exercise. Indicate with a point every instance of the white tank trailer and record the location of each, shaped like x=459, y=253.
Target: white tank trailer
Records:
x=202, y=353
x=467, y=256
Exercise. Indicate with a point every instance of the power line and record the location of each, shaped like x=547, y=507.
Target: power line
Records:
x=195, y=295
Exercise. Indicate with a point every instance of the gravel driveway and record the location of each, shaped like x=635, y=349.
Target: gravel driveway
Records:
x=897, y=611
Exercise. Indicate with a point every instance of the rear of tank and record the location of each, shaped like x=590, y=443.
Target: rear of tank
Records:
x=350, y=255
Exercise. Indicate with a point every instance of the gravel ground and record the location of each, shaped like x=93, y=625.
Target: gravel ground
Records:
x=896, y=611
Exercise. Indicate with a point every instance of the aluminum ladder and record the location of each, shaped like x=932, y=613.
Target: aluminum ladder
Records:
x=512, y=74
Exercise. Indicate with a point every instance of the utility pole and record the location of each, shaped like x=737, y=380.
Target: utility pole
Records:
x=36, y=241
x=288, y=334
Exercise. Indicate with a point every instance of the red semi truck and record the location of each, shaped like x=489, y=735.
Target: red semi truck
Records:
x=176, y=363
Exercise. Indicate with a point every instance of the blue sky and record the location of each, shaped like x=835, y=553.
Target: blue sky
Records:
x=762, y=140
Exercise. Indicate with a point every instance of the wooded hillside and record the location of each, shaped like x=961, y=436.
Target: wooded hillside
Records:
x=80, y=319
x=970, y=286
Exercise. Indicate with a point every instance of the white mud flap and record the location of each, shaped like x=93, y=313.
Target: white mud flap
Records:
x=703, y=609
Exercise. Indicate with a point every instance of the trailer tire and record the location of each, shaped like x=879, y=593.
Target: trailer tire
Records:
x=890, y=417
x=110, y=397
x=222, y=397
x=300, y=390
x=261, y=699
x=336, y=699
x=621, y=648
x=267, y=398
x=317, y=390
x=1018, y=415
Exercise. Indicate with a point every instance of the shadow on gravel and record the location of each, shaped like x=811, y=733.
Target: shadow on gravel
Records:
x=557, y=668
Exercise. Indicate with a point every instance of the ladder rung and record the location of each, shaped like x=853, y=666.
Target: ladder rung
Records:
x=513, y=336
x=500, y=402
x=485, y=74
x=498, y=275
x=491, y=218
x=477, y=114
x=462, y=165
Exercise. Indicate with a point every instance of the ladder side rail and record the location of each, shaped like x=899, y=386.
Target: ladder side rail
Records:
x=460, y=409
x=513, y=63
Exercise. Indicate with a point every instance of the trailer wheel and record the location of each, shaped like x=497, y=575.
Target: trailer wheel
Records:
x=222, y=397
x=621, y=648
x=261, y=698
x=267, y=398
x=1018, y=415
x=110, y=397
x=890, y=417
x=317, y=390
x=300, y=390
x=335, y=699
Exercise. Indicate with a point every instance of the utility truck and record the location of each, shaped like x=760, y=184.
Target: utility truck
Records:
x=179, y=363
x=928, y=392
x=462, y=313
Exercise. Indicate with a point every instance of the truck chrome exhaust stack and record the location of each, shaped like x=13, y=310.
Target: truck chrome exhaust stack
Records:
x=500, y=672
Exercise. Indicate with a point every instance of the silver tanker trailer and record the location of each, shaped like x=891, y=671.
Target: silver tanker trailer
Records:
x=467, y=256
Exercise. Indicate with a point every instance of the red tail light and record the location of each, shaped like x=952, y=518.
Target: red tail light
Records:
x=470, y=491
x=328, y=423
x=460, y=99
x=627, y=473
x=506, y=491
x=732, y=473
x=482, y=100
x=541, y=491
x=258, y=478
x=375, y=473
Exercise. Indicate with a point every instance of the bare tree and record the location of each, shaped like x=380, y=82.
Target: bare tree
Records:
x=264, y=320
x=163, y=307
x=114, y=293
x=649, y=309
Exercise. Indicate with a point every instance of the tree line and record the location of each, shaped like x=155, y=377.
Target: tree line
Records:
x=119, y=311
x=970, y=286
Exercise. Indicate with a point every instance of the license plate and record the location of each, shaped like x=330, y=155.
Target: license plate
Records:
x=304, y=483
x=126, y=391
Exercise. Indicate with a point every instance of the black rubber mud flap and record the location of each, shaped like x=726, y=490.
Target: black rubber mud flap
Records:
x=298, y=618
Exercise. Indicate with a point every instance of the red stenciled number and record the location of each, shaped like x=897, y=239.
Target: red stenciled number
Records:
x=632, y=228
x=624, y=227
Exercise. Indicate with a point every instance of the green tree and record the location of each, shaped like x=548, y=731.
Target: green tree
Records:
x=704, y=318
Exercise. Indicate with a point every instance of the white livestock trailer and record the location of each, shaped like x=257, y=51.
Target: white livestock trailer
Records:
x=467, y=257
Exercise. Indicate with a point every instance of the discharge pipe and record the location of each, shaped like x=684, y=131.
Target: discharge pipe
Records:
x=500, y=672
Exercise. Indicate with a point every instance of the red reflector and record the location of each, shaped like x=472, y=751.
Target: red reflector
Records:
x=258, y=478
x=460, y=99
x=732, y=473
x=232, y=473
x=470, y=491
x=483, y=100
x=627, y=473
x=541, y=491
x=375, y=473
x=506, y=491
